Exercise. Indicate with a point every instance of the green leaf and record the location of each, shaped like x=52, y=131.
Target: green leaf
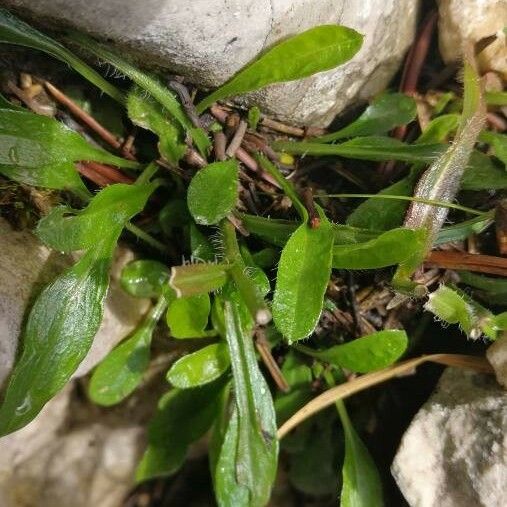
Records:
x=61, y=326
x=144, y=278
x=41, y=151
x=187, y=317
x=145, y=81
x=439, y=129
x=303, y=274
x=195, y=279
x=182, y=417
x=462, y=230
x=496, y=98
x=368, y=353
x=247, y=461
x=376, y=148
x=391, y=247
x=213, y=192
x=387, y=111
x=148, y=114
x=200, y=246
x=315, y=50
x=15, y=31
x=66, y=230
x=174, y=214
x=201, y=367
x=121, y=371
x=362, y=486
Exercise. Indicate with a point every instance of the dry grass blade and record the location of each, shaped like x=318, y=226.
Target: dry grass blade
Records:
x=342, y=391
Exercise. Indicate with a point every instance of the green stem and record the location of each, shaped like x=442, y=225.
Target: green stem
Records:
x=147, y=238
x=254, y=302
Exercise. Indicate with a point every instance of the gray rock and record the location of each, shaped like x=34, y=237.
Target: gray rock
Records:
x=209, y=40
x=454, y=454
x=27, y=266
x=497, y=356
x=473, y=20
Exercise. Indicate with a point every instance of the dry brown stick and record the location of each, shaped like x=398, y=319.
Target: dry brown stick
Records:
x=342, y=391
x=237, y=139
x=85, y=118
x=219, y=142
x=112, y=174
x=262, y=346
x=468, y=262
x=281, y=127
x=92, y=175
x=28, y=100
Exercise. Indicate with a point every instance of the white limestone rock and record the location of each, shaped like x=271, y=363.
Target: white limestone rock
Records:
x=26, y=266
x=460, y=20
x=497, y=356
x=209, y=40
x=454, y=454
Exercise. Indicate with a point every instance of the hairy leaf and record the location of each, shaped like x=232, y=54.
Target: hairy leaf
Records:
x=315, y=50
x=194, y=279
x=147, y=113
x=213, y=192
x=303, y=274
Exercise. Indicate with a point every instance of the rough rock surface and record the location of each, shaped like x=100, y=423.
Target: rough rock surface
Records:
x=497, y=356
x=27, y=266
x=75, y=454
x=474, y=19
x=209, y=40
x=454, y=454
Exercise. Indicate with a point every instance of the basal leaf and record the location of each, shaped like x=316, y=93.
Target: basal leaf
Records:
x=247, y=461
x=498, y=142
x=66, y=230
x=61, y=326
x=144, y=278
x=187, y=317
x=489, y=289
x=375, y=148
x=147, y=113
x=213, y=192
x=361, y=481
x=368, y=353
x=15, y=31
x=384, y=113
x=482, y=173
x=183, y=416
x=201, y=367
x=303, y=274
x=315, y=50
x=391, y=247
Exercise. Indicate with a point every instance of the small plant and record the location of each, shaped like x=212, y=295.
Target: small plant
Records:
x=256, y=287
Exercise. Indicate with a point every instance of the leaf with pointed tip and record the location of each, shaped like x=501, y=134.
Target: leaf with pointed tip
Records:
x=315, y=50
x=195, y=279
